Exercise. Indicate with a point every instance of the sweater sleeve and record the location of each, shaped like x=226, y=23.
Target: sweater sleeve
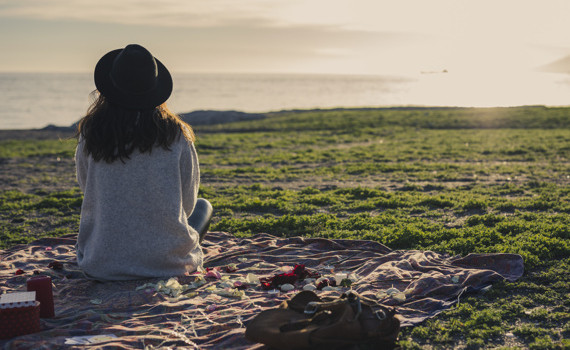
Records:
x=190, y=175
x=81, y=165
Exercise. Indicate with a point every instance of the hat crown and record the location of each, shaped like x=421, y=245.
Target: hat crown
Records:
x=134, y=70
x=132, y=78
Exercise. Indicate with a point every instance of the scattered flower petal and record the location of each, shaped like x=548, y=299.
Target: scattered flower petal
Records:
x=146, y=286
x=381, y=294
x=399, y=296
x=213, y=274
x=200, y=278
x=19, y=272
x=236, y=293
x=231, y=268
x=325, y=282
x=309, y=287
x=211, y=307
x=171, y=288
x=226, y=284
x=329, y=289
x=198, y=282
x=392, y=291
x=299, y=273
x=251, y=278
x=230, y=292
x=172, y=283
x=273, y=292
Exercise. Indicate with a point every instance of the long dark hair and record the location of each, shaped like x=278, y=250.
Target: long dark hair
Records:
x=111, y=132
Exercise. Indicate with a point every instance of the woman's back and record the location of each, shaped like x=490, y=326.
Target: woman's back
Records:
x=133, y=222
x=138, y=169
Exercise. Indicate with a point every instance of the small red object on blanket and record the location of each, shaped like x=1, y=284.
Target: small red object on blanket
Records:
x=56, y=265
x=230, y=268
x=299, y=273
x=326, y=282
x=19, y=321
x=44, y=294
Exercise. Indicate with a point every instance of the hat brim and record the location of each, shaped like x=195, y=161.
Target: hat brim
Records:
x=147, y=100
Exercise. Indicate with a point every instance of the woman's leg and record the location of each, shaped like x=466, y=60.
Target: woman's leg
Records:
x=201, y=216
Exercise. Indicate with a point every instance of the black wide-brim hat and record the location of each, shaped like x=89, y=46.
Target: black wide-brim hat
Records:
x=133, y=78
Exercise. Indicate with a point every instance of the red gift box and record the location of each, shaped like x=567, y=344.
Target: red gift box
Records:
x=42, y=286
x=18, y=321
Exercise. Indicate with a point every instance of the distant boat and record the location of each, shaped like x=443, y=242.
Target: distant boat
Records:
x=434, y=72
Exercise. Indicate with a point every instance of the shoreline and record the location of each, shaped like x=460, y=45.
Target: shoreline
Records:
x=212, y=117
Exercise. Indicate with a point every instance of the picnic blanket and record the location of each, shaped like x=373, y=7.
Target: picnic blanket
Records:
x=210, y=309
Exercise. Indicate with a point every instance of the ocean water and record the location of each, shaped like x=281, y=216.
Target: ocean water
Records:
x=35, y=100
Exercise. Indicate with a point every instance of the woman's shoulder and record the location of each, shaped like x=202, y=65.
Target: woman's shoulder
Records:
x=183, y=144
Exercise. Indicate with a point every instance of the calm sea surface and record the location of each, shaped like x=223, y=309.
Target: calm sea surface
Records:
x=34, y=100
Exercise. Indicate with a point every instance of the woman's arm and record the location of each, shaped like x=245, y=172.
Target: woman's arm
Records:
x=81, y=165
x=190, y=175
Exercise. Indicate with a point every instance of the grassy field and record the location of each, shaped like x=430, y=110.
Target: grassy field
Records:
x=450, y=180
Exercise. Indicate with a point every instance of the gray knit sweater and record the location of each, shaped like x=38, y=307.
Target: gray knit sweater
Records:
x=134, y=214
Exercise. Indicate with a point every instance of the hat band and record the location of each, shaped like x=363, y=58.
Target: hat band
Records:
x=118, y=87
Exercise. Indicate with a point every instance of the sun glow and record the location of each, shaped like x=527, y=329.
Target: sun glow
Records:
x=284, y=36
x=489, y=90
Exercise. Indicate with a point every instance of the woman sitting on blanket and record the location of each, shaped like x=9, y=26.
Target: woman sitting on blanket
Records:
x=138, y=169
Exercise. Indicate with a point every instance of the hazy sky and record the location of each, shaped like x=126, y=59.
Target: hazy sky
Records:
x=301, y=36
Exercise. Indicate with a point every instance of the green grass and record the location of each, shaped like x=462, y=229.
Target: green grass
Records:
x=26, y=217
x=450, y=180
x=31, y=148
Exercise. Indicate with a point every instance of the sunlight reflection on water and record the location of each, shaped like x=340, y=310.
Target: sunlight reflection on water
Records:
x=486, y=90
x=35, y=100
